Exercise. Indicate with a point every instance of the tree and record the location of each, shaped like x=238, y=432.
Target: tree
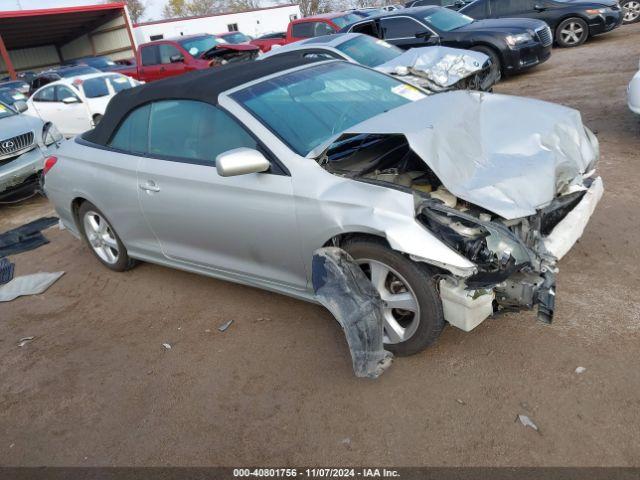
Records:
x=186, y=8
x=242, y=5
x=175, y=8
x=136, y=9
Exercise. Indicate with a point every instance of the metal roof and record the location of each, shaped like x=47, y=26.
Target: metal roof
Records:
x=53, y=26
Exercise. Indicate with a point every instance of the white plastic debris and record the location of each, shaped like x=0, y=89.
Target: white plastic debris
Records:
x=224, y=326
x=527, y=422
x=167, y=346
x=28, y=285
x=23, y=341
x=580, y=370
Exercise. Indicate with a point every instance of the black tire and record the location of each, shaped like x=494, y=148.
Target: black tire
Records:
x=421, y=281
x=630, y=11
x=123, y=262
x=580, y=33
x=496, y=63
x=96, y=119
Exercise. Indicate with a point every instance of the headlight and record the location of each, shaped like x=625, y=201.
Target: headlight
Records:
x=52, y=136
x=513, y=40
x=596, y=11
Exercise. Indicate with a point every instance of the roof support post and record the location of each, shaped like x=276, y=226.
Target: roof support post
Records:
x=7, y=60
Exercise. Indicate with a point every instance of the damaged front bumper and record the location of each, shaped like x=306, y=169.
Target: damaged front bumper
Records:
x=16, y=171
x=516, y=260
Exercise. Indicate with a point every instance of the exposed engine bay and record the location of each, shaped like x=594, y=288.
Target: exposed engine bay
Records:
x=513, y=264
x=221, y=56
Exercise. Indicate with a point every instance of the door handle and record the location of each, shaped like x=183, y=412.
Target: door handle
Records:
x=149, y=187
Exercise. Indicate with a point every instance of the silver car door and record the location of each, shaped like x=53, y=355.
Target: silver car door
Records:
x=243, y=225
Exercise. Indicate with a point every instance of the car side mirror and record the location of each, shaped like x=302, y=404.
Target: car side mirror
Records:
x=69, y=100
x=424, y=35
x=539, y=8
x=176, y=58
x=241, y=161
x=20, y=106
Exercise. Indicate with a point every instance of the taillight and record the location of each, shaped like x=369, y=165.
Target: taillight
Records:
x=49, y=162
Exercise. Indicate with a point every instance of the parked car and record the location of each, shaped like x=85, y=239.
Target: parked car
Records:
x=318, y=25
x=572, y=22
x=266, y=42
x=17, y=85
x=56, y=74
x=102, y=63
x=234, y=38
x=452, y=4
x=436, y=69
x=246, y=174
x=175, y=56
x=633, y=93
x=630, y=11
x=24, y=143
x=513, y=44
x=74, y=105
x=9, y=96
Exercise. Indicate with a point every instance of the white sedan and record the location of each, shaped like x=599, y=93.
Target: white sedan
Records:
x=633, y=94
x=75, y=105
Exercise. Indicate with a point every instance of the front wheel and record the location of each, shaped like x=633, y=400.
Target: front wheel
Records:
x=496, y=64
x=630, y=11
x=413, y=317
x=572, y=32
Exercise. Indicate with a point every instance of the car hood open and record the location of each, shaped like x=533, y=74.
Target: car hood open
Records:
x=509, y=155
x=443, y=66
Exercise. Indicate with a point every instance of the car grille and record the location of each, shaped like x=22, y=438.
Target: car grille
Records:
x=544, y=34
x=12, y=146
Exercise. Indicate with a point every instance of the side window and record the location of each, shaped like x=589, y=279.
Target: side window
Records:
x=150, y=55
x=45, y=95
x=63, y=92
x=506, y=7
x=194, y=131
x=366, y=28
x=133, y=134
x=302, y=30
x=401, y=28
x=322, y=55
x=167, y=52
x=322, y=28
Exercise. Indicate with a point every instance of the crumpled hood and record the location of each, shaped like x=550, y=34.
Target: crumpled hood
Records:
x=509, y=155
x=443, y=66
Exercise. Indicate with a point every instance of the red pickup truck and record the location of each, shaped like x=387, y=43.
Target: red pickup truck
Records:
x=318, y=25
x=175, y=56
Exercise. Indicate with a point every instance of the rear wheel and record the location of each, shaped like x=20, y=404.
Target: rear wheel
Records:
x=413, y=317
x=103, y=239
x=572, y=32
x=496, y=64
x=630, y=11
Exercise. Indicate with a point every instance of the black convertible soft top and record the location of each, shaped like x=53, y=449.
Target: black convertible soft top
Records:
x=201, y=85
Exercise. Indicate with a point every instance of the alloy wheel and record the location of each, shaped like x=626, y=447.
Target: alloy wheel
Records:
x=631, y=11
x=401, y=308
x=572, y=33
x=101, y=237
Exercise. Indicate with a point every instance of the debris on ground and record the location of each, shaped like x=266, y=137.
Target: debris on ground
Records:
x=24, y=340
x=224, y=326
x=6, y=270
x=26, y=237
x=33, y=284
x=580, y=370
x=527, y=422
x=460, y=401
x=167, y=346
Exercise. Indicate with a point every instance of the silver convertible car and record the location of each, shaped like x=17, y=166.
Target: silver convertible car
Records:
x=453, y=206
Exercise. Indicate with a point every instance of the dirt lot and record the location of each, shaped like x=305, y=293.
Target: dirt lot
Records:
x=96, y=387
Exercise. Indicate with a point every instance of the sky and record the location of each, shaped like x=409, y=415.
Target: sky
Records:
x=153, y=10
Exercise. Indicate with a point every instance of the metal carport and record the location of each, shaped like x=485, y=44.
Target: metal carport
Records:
x=37, y=39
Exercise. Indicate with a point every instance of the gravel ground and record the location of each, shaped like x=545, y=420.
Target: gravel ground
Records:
x=96, y=386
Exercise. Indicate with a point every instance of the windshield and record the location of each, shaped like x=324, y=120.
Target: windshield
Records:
x=95, y=87
x=119, y=82
x=369, y=51
x=237, y=37
x=73, y=71
x=6, y=111
x=197, y=46
x=99, y=62
x=308, y=107
x=346, y=19
x=9, y=96
x=446, y=20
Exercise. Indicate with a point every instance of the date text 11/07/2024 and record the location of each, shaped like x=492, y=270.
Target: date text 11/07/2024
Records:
x=315, y=472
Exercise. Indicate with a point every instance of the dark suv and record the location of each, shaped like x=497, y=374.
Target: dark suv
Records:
x=513, y=44
x=572, y=22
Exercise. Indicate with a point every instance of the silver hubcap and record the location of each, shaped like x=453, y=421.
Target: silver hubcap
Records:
x=101, y=237
x=401, y=309
x=572, y=33
x=631, y=11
